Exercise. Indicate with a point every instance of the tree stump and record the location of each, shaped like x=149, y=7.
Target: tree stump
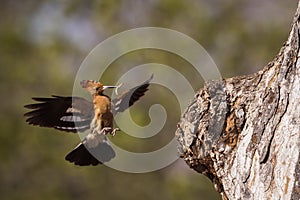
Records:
x=243, y=132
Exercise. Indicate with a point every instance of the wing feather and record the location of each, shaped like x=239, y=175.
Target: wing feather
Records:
x=69, y=114
x=128, y=98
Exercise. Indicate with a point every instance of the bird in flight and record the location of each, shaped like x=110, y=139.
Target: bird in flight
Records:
x=76, y=114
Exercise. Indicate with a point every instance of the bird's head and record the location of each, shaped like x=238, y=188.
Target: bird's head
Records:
x=94, y=87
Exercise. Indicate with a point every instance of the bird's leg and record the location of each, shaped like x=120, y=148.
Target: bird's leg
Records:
x=109, y=130
x=113, y=132
x=106, y=130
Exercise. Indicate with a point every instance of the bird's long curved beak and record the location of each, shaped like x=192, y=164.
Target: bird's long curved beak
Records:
x=109, y=86
x=117, y=87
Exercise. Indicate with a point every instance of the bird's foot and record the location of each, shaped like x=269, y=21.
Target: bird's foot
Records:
x=106, y=130
x=109, y=130
x=113, y=132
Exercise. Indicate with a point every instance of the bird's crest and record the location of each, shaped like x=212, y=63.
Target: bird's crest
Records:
x=91, y=86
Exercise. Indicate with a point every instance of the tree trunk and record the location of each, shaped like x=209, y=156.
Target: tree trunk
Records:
x=243, y=132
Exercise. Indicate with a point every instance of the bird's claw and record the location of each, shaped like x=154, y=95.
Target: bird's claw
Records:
x=106, y=130
x=109, y=130
x=113, y=132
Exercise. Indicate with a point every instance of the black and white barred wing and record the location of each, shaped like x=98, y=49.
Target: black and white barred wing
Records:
x=128, y=98
x=70, y=114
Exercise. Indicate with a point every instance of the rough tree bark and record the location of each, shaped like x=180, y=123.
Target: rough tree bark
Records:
x=243, y=132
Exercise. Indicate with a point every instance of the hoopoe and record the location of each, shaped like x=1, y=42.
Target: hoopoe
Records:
x=76, y=114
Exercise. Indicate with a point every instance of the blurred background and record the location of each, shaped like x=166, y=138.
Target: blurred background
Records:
x=42, y=46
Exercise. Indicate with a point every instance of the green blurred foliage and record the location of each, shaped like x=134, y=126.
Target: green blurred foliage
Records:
x=42, y=46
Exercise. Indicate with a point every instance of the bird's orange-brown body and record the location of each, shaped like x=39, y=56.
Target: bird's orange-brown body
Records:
x=103, y=116
x=103, y=113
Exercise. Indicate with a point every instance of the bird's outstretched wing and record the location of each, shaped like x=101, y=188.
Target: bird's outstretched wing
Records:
x=69, y=114
x=129, y=97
